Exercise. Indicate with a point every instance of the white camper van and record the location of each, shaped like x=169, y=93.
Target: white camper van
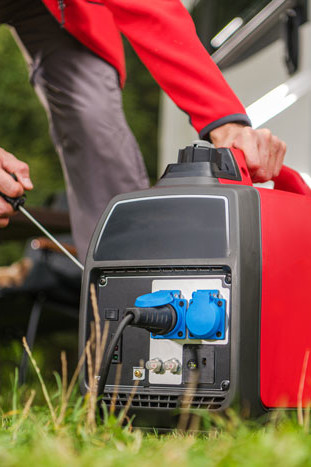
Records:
x=263, y=48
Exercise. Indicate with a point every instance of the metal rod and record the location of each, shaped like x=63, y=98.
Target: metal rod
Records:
x=247, y=35
x=60, y=246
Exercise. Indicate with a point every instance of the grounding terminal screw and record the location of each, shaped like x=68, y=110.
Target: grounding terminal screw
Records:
x=138, y=374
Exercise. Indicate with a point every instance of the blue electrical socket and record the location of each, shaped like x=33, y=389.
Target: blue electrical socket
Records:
x=206, y=315
x=167, y=297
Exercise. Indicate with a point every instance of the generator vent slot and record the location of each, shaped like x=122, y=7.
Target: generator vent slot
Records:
x=160, y=401
x=166, y=270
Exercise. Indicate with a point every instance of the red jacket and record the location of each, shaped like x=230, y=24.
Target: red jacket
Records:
x=163, y=35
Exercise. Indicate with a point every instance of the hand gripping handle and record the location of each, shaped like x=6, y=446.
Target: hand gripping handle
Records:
x=14, y=202
x=288, y=179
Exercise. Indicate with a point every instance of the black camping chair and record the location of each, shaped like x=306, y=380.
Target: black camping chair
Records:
x=53, y=283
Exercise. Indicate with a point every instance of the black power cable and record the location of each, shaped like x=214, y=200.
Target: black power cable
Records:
x=158, y=320
x=106, y=362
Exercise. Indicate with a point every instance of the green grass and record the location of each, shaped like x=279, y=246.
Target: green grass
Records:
x=36, y=435
x=233, y=443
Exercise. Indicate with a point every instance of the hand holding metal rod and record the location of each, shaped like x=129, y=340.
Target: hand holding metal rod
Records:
x=18, y=203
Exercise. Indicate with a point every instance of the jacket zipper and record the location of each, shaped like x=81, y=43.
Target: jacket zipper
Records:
x=62, y=6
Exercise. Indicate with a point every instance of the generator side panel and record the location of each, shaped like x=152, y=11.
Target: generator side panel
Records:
x=285, y=316
x=246, y=331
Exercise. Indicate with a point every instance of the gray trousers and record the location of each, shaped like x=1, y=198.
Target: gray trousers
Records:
x=81, y=94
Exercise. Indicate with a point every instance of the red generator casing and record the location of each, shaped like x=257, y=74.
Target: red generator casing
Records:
x=207, y=238
x=285, y=320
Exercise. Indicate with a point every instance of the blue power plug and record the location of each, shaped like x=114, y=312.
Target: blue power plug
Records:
x=167, y=297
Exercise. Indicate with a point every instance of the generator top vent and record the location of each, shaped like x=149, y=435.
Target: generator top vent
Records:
x=202, y=159
x=167, y=270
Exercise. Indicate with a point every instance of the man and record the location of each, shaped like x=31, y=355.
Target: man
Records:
x=76, y=61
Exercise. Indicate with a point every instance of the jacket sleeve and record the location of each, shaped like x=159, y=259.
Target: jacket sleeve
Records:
x=163, y=35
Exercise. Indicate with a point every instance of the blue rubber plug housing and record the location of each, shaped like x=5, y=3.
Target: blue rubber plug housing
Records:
x=206, y=315
x=167, y=297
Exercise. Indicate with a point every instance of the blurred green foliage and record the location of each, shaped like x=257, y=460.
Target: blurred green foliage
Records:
x=24, y=125
x=141, y=105
x=24, y=132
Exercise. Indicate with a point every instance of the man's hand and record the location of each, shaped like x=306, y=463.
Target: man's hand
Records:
x=264, y=152
x=8, y=165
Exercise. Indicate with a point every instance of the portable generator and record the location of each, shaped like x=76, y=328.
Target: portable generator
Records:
x=203, y=275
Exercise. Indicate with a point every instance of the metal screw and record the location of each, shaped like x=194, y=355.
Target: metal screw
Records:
x=228, y=279
x=224, y=386
x=138, y=373
x=219, y=303
x=179, y=333
x=181, y=303
x=102, y=281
